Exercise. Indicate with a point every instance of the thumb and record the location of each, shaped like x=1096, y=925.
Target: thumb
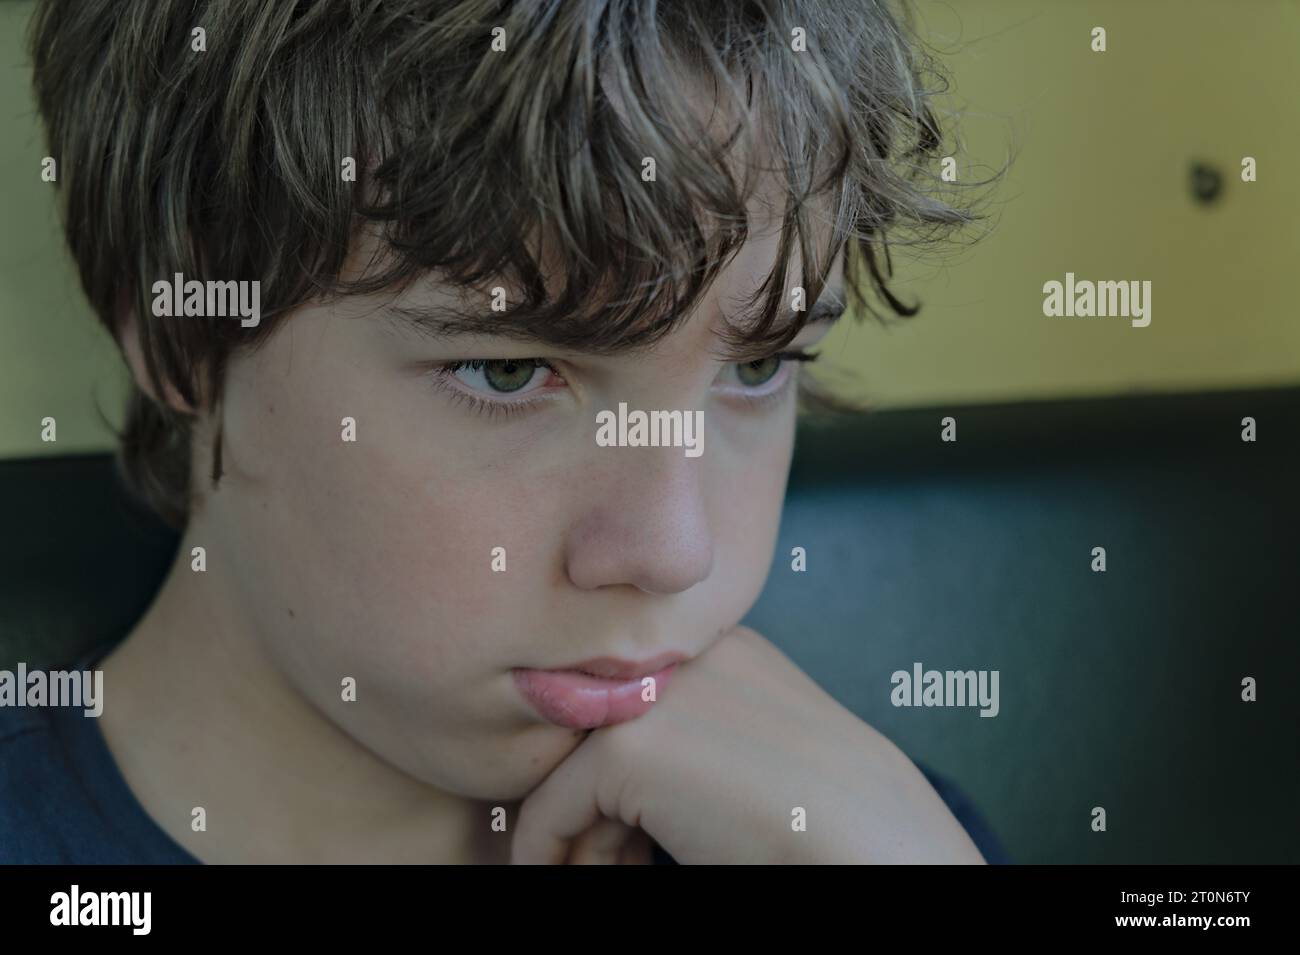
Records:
x=573, y=798
x=605, y=843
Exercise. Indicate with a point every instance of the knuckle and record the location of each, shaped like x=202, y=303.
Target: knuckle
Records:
x=625, y=749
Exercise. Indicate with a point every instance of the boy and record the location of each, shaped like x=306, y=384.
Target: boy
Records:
x=378, y=270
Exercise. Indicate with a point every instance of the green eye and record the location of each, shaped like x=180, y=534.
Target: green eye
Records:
x=755, y=373
x=508, y=374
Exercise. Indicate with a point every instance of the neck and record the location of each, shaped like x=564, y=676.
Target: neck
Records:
x=198, y=714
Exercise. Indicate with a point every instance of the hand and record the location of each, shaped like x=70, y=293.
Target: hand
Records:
x=611, y=842
x=715, y=770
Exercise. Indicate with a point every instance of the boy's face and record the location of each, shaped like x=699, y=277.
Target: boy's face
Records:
x=374, y=558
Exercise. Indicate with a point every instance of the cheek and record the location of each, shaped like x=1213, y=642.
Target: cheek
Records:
x=390, y=535
x=746, y=503
x=439, y=545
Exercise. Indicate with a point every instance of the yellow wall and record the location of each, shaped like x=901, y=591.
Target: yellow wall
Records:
x=54, y=360
x=1099, y=187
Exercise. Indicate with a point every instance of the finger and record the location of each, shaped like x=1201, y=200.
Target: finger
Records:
x=602, y=844
x=637, y=849
x=569, y=801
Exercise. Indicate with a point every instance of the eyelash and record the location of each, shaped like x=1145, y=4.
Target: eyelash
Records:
x=493, y=408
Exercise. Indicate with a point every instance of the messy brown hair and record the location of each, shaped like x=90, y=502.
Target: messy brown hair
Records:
x=225, y=164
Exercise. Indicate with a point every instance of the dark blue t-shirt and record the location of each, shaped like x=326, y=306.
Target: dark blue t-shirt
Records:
x=63, y=799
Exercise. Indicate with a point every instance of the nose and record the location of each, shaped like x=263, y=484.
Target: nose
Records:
x=646, y=526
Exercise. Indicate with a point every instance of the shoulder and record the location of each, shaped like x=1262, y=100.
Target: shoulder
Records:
x=36, y=788
x=966, y=813
x=62, y=799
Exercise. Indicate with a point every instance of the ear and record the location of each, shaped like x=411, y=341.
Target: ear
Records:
x=129, y=339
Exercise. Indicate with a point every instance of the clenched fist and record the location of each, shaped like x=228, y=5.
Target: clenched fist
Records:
x=744, y=759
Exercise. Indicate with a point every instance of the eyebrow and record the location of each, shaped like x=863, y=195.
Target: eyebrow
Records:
x=826, y=311
x=431, y=321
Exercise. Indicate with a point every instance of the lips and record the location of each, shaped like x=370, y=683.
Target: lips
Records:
x=595, y=693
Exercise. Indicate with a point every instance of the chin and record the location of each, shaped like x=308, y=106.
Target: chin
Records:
x=507, y=770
